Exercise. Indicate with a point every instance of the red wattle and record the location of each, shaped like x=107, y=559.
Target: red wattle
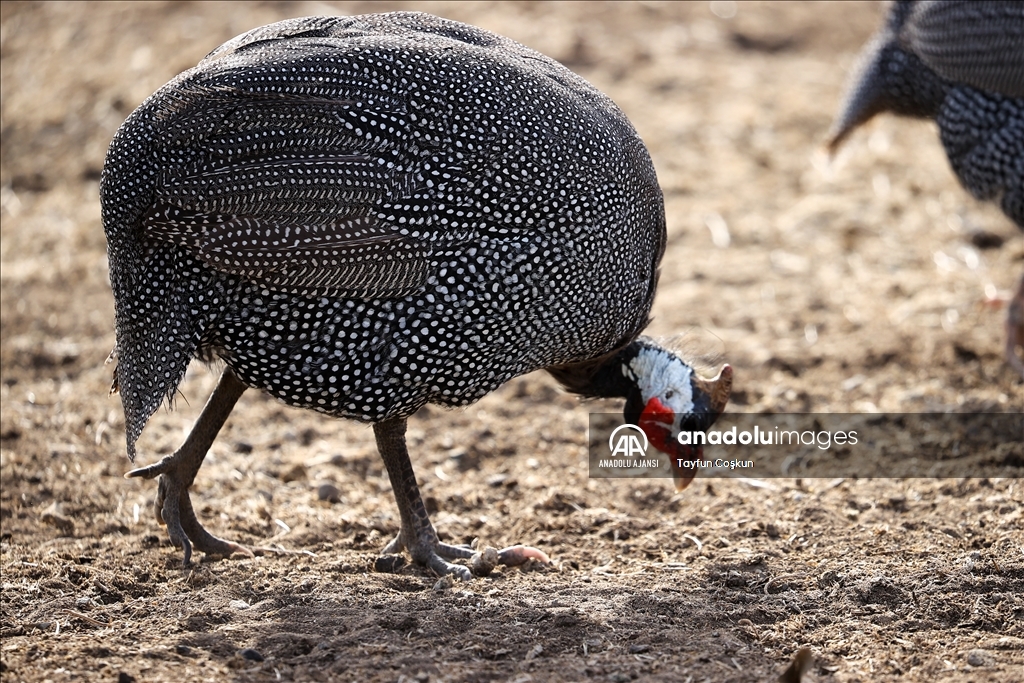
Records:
x=656, y=421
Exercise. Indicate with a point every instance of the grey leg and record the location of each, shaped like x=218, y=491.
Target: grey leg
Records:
x=178, y=470
x=418, y=535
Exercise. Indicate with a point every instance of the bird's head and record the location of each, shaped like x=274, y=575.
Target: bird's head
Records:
x=668, y=397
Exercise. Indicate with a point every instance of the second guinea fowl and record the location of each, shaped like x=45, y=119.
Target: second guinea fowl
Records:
x=363, y=215
x=960, y=63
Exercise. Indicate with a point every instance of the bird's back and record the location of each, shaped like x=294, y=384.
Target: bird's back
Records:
x=961, y=63
x=363, y=214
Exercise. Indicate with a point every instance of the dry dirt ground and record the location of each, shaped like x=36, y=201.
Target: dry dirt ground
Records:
x=854, y=286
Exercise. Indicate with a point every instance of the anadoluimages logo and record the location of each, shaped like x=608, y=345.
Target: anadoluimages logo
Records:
x=818, y=445
x=627, y=444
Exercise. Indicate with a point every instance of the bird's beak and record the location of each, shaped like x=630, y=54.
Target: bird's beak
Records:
x=864, y=96
x=682, y=476
x=718, y=390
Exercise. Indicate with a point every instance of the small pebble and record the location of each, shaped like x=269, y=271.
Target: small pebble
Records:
x=444, y=583
x=983, y=239
x=182, y=649
x=388, y=564
x=329, y=493
x=251, y=654
x=482, y=563
x=980, y=658
x=638, y=649
x=534, y=652
x=238, y=604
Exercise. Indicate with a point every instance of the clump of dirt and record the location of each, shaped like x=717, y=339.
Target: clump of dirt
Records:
x=858, y=285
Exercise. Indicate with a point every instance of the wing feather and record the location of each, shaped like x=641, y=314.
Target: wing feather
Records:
x=976, y=42
x=351, y=256
x=289, y=191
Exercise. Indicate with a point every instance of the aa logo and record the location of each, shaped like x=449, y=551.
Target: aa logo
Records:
x=628, y=441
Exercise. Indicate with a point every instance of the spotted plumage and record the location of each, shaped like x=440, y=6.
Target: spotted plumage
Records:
x=960, y=63
x=362, y=215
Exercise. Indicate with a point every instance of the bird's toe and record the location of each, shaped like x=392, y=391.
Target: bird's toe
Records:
x=442, y=567
x=394, y=547
x=454, y=552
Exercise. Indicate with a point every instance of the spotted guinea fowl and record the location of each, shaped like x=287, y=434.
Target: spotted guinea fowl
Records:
x=363, y=215
x=961, y=64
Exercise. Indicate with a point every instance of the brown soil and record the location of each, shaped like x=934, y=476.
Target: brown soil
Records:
x=849, y=287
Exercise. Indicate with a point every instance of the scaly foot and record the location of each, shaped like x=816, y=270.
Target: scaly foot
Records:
x=178, y=470
x=481, y=562
x=173, y=508
x=417, y=534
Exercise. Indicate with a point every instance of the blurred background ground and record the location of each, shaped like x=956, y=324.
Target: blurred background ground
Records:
x=852, y=286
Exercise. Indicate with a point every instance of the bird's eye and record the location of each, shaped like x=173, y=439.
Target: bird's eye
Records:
x=669, y=394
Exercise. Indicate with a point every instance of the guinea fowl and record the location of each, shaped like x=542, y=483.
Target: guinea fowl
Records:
x=363, y=215
x=961, y=64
